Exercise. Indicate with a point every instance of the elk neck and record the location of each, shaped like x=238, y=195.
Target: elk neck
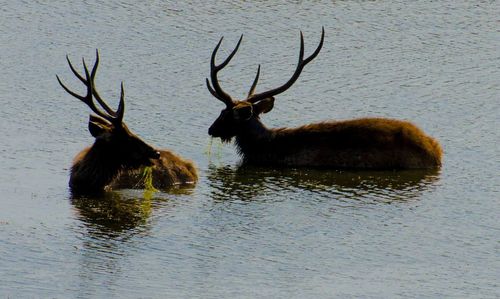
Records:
x=94, y=168
x=254, y=139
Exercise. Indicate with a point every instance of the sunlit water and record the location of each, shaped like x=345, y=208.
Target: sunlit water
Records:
x=245, y=232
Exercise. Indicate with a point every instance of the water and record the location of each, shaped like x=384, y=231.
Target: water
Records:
x=252, y=232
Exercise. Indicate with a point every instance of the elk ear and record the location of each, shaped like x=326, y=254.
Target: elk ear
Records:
x=264, y=106
x=242, y=112
x=98, y=127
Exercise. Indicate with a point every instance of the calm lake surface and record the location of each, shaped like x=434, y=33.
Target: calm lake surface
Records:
x=245, y=232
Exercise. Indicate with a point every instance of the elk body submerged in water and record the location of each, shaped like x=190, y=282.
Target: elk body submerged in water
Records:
x=118, y=157
x=365, y=143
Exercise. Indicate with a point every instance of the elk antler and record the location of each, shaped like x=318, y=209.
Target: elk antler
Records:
x=217, y=91
x=254, y=84
x=252, y=98
x=115, y=117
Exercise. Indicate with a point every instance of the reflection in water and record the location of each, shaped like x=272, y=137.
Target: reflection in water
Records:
x=112, y=211
x=109, y=223
x=247, y=182
x=115, y=212
x=112, y=225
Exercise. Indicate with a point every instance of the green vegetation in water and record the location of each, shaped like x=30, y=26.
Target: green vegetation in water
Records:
x=208, y=151
x=146, y=204
x=147, y=178
x=219, y=149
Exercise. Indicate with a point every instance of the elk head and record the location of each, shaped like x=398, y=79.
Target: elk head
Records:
x=111, y=134
x=240, y=112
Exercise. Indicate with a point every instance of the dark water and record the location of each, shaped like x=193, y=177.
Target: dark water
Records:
x=252, y=232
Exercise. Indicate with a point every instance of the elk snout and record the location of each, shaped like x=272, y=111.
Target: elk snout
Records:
x=214, y=129
x=211, y=131
x=219, y=126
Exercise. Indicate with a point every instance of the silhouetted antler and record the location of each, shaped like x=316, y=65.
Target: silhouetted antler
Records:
x=217, y=91
x=115, y=117
x=252, y=98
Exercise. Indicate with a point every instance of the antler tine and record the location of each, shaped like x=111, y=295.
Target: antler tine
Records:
x=300, y=65
x=212, y=91
x=121, y=106
x=112, y=116
x=69, y=91
x=74, y=71
x=91, y=88
x=301, y=51
x=254, y=84
x=214, y=69
x=87, y=99
x=316, y=52
x=94, y=91
x=228, y=59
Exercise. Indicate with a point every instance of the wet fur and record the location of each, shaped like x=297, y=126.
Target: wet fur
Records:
x=367, y=143
x=169, y=170
x=96, y=169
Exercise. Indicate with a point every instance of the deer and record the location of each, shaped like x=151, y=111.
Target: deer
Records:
x=118, y=157
x=365, y=143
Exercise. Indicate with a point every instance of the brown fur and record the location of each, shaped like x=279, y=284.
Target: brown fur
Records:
x=118, y=156
x=369, y=143
x=169, y=170
x=93, y=172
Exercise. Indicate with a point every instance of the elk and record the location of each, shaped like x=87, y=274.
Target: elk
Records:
x=364, y=143
x=118, y=157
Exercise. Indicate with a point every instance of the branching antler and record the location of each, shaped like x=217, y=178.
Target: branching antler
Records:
x=254, y=84
x=115, y=117
x=217, y=91
x=300, y=65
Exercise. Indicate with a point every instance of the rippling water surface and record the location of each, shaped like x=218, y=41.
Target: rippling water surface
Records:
x=250, y=232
